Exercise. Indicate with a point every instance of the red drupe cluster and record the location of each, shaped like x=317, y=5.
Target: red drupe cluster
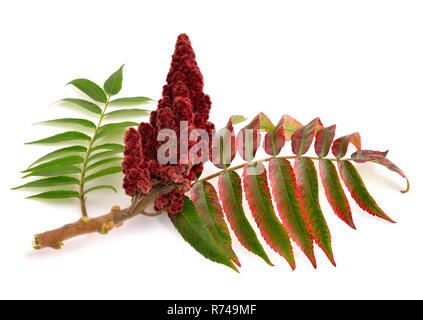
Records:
x=182, y=100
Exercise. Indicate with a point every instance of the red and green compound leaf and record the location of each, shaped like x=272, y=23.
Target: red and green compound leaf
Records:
x=340, y=145
x=324, y=138
x=378, y=157
x=334, y=192
x=192, y=228
x=303, y=137
x=230, y=192
x=308, y=194
x=260, y=203
x=205, y=199
x=359, y=191
x=223, y=149
x=284, y=189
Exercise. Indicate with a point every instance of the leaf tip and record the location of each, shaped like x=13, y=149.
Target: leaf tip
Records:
x=407, y=188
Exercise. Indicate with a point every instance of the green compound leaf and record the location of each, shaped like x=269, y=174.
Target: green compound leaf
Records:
x=49, y=182
x=192, y=228
x=87, y=105
x=205, y=199
x=129, y=102
x=100, y=188
x=334, y=192
x=90, y=88
x=54, y=171
x=103, y=162
x=63, y=137
x=359, y=191
x=110, y=127
x=284, y=190
x=57, y=194
x=230, y=192
x=308, y=195
x=73, y=149
x=70, y=121
x=127, y=113
x=102, y=173
x=61, y=161
x=258, y=196
x=113, y=84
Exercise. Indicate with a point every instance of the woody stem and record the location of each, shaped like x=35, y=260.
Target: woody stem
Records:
x=101, y=224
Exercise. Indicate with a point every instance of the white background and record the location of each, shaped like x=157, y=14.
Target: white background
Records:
x=358, y=64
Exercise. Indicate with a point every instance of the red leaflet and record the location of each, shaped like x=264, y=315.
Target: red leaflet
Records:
x=223, y=148
x=324, y=138
x=275, y=139
x=308, y=194
x=380, y=158
x=248, y=138
x=340, y=145
x=358, y=190
x=205, y=199
x=334, y=192
x=258, y=196
x=230, y=193
x=284, y=191
x=303, y=137
x=290, y=125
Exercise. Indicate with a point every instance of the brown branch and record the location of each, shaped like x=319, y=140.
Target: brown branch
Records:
x=102, y=224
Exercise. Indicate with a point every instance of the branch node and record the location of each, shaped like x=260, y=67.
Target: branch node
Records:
x=106, y=227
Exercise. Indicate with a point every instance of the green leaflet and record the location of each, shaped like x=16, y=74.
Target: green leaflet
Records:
x=128, y=102
x=87, y=105
x=100, y=188
x=113, y=84
x=90, y=88
x=127, y=113
x=192, y=228
x=230, y=193
x=205, y=199
x=49, y=182
x=334, y=192
x=103, y=162
x=72, y=149
x=63, y=137
x=258, y=196
x=104, y=154
x=54, y=171
x=108, y=128
x=359, y=191
x=102, y=173
x=108, y=146
x=61, y=161
x=71, y=121
x=57, y=194
x=282, y=180
x=308, y=191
